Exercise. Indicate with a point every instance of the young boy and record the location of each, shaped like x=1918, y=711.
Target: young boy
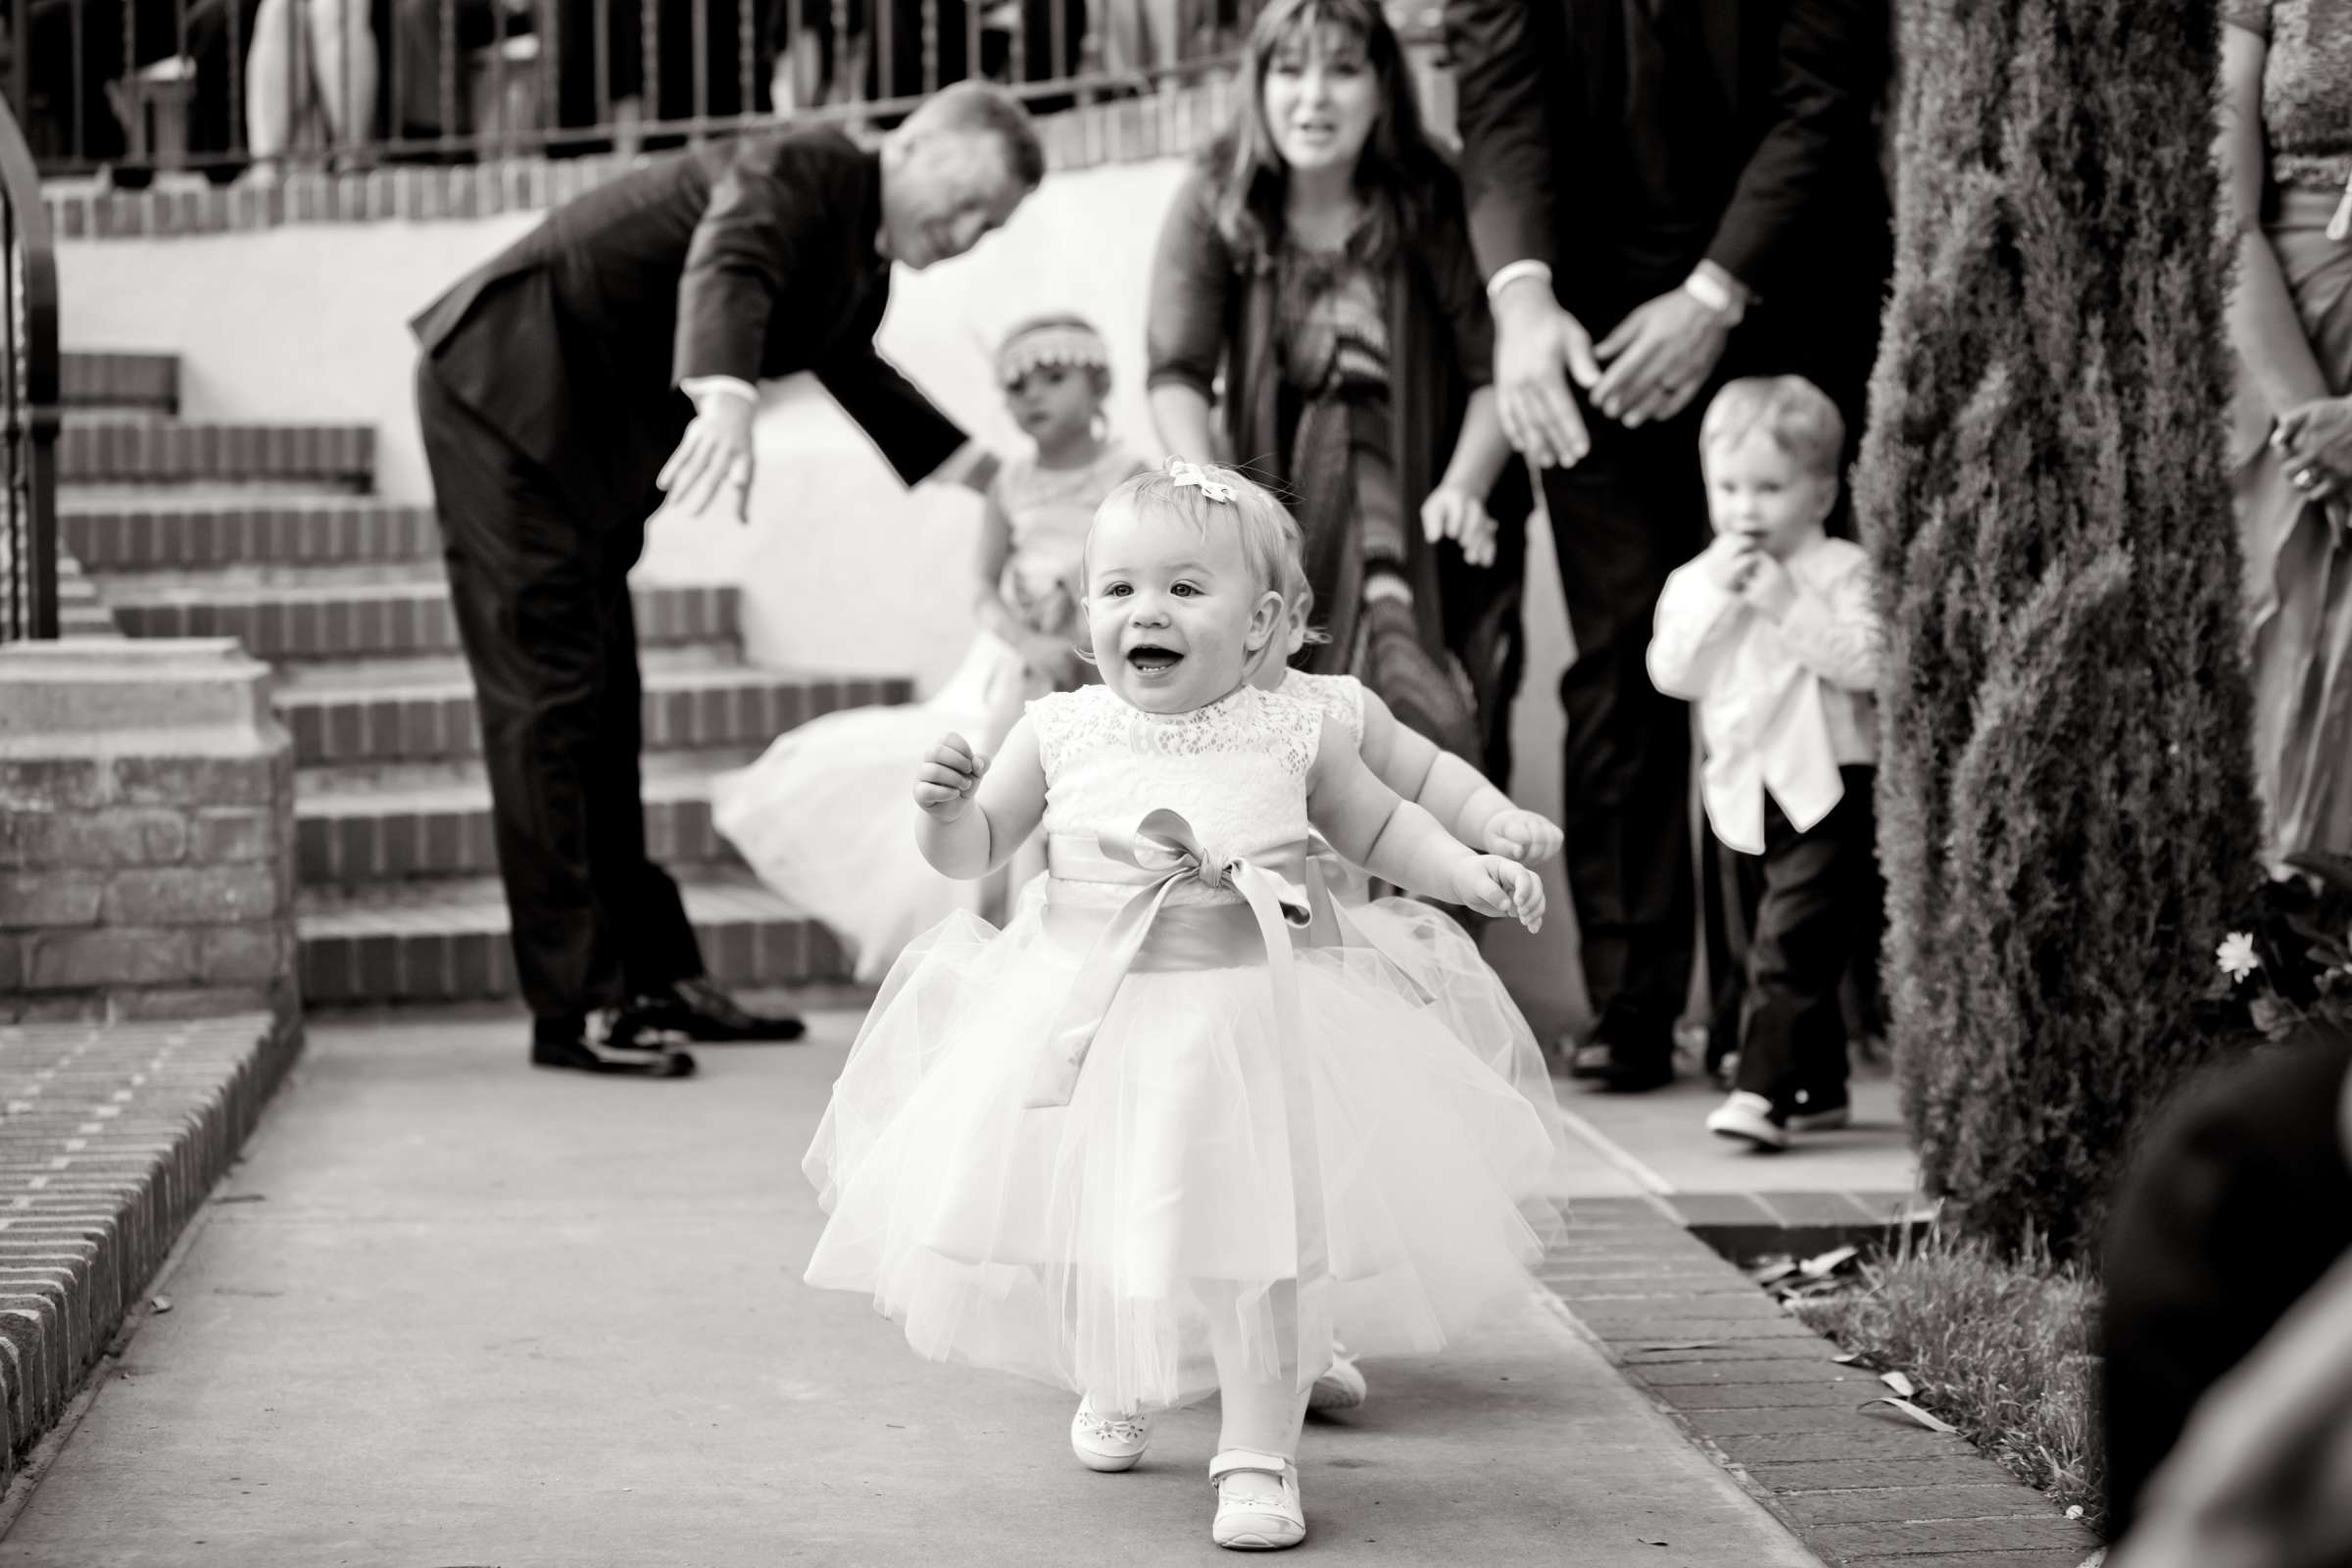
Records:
x=1773, y=634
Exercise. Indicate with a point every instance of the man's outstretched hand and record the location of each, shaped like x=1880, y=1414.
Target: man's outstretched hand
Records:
x=715, y=460
x=1538, y=347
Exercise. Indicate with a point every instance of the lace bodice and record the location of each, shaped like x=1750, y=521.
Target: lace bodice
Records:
x=1340, y=697
x=1051, y=510
x=1236, y=771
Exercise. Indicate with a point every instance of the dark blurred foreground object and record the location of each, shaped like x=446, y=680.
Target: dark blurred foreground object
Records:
x=2263, y=1475
x=2237, y=1204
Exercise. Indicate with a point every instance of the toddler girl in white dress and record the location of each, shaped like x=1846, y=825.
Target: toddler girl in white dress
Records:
x=1149, y=1141
x=819, y=816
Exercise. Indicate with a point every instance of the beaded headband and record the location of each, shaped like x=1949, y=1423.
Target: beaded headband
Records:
x=1064, y=345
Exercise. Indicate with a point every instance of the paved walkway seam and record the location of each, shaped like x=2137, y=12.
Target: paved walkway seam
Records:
x=1764, y=1397
x=111, y=1137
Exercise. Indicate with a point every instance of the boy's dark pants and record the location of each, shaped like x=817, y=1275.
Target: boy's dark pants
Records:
x=1820, y=901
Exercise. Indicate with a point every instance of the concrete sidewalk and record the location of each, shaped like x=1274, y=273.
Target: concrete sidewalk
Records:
x=451, y=1311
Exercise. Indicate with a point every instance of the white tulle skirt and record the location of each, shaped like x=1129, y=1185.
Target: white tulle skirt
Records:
x=826, y=815
x=1468, y=997
x=1455, y=980
x=1106, y=1245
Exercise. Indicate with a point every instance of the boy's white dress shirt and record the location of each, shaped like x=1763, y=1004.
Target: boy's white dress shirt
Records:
x=1782, y=703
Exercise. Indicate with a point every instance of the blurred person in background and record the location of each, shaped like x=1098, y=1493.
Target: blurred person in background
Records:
x=2286, y=152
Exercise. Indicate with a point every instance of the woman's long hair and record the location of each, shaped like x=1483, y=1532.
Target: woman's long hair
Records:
x=1398, y=172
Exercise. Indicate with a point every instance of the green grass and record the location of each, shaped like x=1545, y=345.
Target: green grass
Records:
x=2005, y=1350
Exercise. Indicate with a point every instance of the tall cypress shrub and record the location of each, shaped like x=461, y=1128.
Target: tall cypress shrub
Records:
x=2065, y=809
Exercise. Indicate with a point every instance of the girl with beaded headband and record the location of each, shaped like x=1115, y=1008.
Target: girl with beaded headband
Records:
x=817, y=817
x=1146, y=1142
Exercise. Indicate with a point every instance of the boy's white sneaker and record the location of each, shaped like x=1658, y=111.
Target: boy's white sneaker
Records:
x=1108, y=1442
x=1749, y=1118
x=1257, y=1502
x=1342, y=1384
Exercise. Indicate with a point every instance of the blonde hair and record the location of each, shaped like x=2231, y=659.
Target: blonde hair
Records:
x=1269, y=534
x=1797, y=415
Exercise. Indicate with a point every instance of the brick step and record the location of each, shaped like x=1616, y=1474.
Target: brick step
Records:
x=685, y=704
x=336, y=621
x=447, y=941
x=123, y=451
x=165, y=584
x=349, y=834
x=148, y=383
x=155, y=530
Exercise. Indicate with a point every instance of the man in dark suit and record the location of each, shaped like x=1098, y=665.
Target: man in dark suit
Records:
x=628, y=329
x=1696, y=181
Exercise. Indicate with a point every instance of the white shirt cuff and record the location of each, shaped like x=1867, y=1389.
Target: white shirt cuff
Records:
x=1512, y=272
x=699, y=387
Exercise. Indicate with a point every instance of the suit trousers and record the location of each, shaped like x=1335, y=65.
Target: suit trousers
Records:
x=1819, y=903
x=542, y=602
x=1629, y=514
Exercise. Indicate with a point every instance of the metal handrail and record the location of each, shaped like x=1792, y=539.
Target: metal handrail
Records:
x=137, y=86
x=28, y=396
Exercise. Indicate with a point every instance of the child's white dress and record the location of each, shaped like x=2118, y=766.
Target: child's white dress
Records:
x=822, y=815
x=1430, y=946
x=1104, y=1244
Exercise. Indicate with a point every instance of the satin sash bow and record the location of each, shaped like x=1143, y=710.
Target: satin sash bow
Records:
x=1162, y=852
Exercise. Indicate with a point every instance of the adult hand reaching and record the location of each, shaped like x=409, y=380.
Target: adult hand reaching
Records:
x=2315, y=441
x=1538, y=347
x=1658, y=358
x=714, y=457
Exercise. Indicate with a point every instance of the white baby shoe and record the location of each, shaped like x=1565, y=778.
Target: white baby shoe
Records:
x=1257, y=1502
x=1108, y=1442
x=1342, y=1384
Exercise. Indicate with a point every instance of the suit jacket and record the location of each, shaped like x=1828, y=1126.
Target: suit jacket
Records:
x=1807, y=225
x=754, y=257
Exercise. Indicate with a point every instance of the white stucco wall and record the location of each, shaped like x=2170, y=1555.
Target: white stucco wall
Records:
x=841, y=568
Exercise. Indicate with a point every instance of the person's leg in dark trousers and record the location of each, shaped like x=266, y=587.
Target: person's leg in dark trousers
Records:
x=1731, y=884
x=530, y=582
x=1624, y=518
x=1818, y=886
x=660, y=948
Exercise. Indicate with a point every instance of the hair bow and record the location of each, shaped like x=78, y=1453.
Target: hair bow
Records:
x=1194, y=474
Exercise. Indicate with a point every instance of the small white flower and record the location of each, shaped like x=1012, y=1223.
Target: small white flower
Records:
x=2236, y=954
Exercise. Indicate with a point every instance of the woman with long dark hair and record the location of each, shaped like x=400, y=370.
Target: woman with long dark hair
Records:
x=1319, y=262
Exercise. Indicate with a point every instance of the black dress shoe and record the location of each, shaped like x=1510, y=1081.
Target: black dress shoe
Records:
x=1636, y=1076
x=619, y=1054
x=700, y=1011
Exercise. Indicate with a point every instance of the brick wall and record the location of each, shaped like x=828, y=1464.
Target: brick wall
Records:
x=146, y=833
